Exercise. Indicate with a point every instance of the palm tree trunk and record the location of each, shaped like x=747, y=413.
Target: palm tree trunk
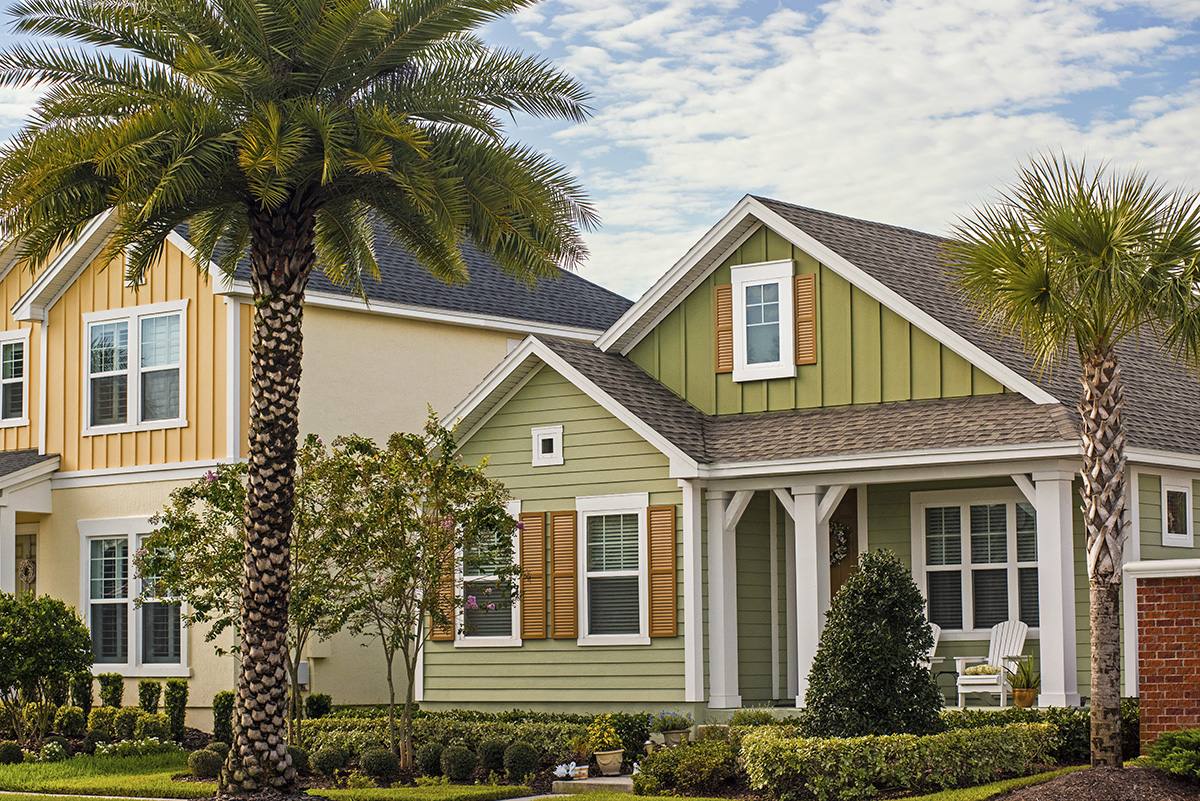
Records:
x=281, y=259
x=1104, y=521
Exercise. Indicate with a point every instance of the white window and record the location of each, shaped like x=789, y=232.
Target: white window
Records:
x=135, y=368
x=488, y=616
x=1177, y=512
x=547, y=445
x=14, y=393
x=613, y=608
x=975, y=557
x=763, y=321
x=145, y=640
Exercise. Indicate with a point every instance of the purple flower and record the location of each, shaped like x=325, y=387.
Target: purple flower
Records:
x=447, y=523
x=488, y=591
x=491, y=607
x=319, y=441
x=210, y=476
x=520, y=526
x=471, y=603
x=143, y=552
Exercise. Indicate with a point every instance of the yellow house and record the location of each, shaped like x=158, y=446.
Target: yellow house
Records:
x=112, y=395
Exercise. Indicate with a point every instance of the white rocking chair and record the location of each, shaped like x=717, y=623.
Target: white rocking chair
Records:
x=930, y=660
x=1007, y=642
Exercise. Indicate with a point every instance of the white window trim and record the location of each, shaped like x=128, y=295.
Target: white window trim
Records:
x=514, y=639
x=6, y=337
x=628, y=503
x=553, y=433
x=133, y=316
x=919, y=501
x=1177, y=482
x=780, y=272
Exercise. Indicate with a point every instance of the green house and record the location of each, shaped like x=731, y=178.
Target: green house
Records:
x=800, y=387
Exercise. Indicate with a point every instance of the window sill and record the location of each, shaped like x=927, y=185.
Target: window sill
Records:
x=613, y=639
x=143, y=671
x=763, y=372
x=487, y=642
x=127, y=428
x=1177, y=541
x=14, y=423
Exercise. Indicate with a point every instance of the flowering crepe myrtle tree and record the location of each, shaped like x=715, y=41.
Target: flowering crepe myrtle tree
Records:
x=408, y=513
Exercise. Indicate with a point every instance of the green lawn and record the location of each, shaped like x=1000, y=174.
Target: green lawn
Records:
x=439, y=792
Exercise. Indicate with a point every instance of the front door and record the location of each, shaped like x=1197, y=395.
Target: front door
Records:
x=843, y=542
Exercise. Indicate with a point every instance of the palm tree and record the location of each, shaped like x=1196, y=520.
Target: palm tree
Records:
x=1075, y=258
x=285, y=130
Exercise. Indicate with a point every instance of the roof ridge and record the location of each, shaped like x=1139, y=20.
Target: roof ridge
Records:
x=823, y=213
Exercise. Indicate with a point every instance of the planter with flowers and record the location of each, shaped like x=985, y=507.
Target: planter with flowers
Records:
x=673, y=726
x=605, y=745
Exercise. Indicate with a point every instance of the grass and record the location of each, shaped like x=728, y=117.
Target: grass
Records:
x=433, y=792
x=147, y=777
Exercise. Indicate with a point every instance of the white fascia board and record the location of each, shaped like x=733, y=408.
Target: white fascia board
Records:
x=1163, y=568
x=513, y=325
x=1149, y=457
x=32, y=306
x=28, y=475
x=141, y=474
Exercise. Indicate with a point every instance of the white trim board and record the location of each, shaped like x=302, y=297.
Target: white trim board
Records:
x=141, y=474
x=47, y=289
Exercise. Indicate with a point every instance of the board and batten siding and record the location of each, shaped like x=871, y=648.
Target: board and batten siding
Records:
x=97, y=288
x=865, y=353
x=601, y=456
x=12, y=287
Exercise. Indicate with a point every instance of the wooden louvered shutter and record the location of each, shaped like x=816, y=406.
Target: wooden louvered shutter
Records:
x=723, y=301
x=564, y=602
x=445, y=602
x=806, y=319
x=660, y=522
x=532, y=547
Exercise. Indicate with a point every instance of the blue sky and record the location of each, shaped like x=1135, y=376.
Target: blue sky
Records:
x=907, y=112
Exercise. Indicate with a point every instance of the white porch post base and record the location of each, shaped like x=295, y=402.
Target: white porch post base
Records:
x=1056, y=588
x=809, y=602
x=722, y=607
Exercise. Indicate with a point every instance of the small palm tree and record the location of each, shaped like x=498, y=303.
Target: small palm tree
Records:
x=285, y=130
x=1078, y=258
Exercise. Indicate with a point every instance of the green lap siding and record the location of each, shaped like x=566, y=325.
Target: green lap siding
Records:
x=1150, y=517
x=754, y=601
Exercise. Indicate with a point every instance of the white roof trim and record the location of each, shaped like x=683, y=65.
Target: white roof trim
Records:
x=1163, y=568
x=48, y=287
x=748, y=206
x=26, y=475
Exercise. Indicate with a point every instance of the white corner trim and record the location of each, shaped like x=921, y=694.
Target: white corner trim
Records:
x=1163, y=568
x=233, y=377
x=43, y=382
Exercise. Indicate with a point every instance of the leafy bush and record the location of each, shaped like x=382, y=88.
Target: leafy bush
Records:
x=102, y=719
x=69, y=720
x=1131, y=729
x=10, y=753
x=520, y=761
x=39, y=718
x=175, y=699
x=205, y=764
x=1178, y=752
x=93, y=739
x=703, y=768
x=299, y=759
x=317, y=705
x=112, y=689
x=223, y=716
x=81, y=691
x=429, y=758
x=788, y=767
x=380, y=764
x=634, y=731
x=866, y=678
x=148, y=726
x=458, y=763
x=125, y=722
x=53, y=750
x=218, y=747
x=754, y=716
x=491, y=756
x=149, y=691
x=133, y=748
x=58, y=688
x=601, y=736
x=670, y=721
x=1072, y=727
x=329, y=760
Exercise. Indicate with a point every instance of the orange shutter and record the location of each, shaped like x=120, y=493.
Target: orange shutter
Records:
x=723, y=296
x=806, y=319
x=661, y=536
x=445, y=601
x=563, y=589
x=533, y=575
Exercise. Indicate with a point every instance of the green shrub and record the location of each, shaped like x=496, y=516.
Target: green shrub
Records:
x=218, y=747
x=81, y=691
x=70, y=721
x=520, y=761
x=634, y=731
x=491, y=756
x=380, y=764
x=329, y=760
x=205, y=764
x=429, y=758
x=299, y=759
x=1072, y=727
x=458, y=763
x=58, y=688
x=1131, y=729
x=151, y=725
x=754, y=716
x=10, y=753
x=125, y=722
x=149, y=691
x=1178, y=752
x=39, y=717
x=789, y=767
x=866, y=678
x=317, y=705
x=223, y=716
x=102, y=719
x=112, y=689
x=54, y=749
x=135, y=748
x=175, y=698
x=93, y=739
x=704, y=768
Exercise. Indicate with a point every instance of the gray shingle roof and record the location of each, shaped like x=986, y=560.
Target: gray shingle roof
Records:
x=12, y=461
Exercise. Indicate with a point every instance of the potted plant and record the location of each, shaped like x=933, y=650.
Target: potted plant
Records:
x=579, y=758
x=673, y=726
x=1024, y=681
x=605, y=745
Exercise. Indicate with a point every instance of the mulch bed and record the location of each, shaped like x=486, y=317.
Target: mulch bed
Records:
x=1109, y=784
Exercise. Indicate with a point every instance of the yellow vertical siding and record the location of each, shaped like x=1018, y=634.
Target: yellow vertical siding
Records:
x=20, y=437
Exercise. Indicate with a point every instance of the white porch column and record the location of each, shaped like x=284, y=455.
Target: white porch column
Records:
x=1056, y=588
x=812, y=581
x=693, y=595
x=8, y=549
x=722, y=607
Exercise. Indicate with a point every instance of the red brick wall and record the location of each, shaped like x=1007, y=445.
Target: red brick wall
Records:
x=1168, y=655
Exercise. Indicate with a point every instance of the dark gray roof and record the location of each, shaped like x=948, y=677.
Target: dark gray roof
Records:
x=12, y=461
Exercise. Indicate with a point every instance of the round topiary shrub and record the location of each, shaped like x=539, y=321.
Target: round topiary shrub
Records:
x=53, y=751
x=70, y=721
x=491, y=756
x=10, y=753
x=520, y=761
x=380, y=764
x=866, y=677
x=317, y=705
x=219, y=748
x=92, y=739
x=205, y=764
x=429, y=758
x=328, y=760
x=125, y=721
x=101, y=719
x=299, y=758
x=156, y=725
x=458, y=763
x=61, y=741
x=704, y=768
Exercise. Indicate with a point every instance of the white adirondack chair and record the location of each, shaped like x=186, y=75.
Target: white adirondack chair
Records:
x=1007, y=642
x=930, y=660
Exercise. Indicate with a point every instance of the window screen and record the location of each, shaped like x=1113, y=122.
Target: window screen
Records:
x=1026, y=533
x=989, y=534
x=945, y=599
x=613, y=599
x=990, y=597
x=762, y=323
x=943, y=536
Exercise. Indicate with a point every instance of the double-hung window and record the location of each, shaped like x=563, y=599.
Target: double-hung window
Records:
x=975, y=553
x=613, y=608
x=763, y=321
x=1177, y=512
x=135, y=368
x=14, y=395
x=488, y=616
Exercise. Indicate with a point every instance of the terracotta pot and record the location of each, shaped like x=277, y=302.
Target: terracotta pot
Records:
x=671, y=739
x=1025, y=698
x=609, y=762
